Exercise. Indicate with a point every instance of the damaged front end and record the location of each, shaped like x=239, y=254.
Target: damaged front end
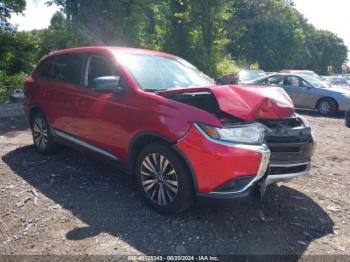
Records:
x=261, y=140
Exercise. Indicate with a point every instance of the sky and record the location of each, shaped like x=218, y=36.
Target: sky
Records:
x=36, y=16
x=331, y=15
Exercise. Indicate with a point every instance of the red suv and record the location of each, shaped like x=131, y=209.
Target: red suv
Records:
x=162, y=120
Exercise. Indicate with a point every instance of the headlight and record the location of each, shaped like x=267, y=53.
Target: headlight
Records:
x=346, y=95
x=245, y=134
x=305, y=121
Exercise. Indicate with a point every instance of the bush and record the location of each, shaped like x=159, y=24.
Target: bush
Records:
x=227, y=66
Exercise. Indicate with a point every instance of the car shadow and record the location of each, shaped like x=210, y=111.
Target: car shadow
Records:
x=107, y=201
x=314, y=113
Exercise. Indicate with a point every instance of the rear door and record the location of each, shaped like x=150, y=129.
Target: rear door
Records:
x=41, y=86
x=64, y=88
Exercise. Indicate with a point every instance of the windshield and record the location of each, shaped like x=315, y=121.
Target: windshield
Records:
x=153, y=73
x=250, y=75
x=339, y=82
x=308, y=73
x=314, y=81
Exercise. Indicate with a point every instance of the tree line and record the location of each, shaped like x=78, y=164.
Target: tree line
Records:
x=218, y=36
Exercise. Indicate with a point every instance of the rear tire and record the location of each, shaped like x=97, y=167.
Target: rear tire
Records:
x=42, y=137
x=163, y=179
x=327, y=107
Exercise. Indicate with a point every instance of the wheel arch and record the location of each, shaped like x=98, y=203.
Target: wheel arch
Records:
x=145, y=138
x=327, y=97
x=37, y=109
x=34, y=110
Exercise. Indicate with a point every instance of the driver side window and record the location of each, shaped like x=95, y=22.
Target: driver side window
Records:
x=306, y=84
x=98, y=66
x=293, y=81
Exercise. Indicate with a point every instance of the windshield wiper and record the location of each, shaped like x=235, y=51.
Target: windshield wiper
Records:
x=153, y=89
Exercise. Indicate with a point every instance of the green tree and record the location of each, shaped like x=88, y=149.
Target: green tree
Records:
x=196, y=31
x=58, y=35
x=7, y=7
x=18, y=51
x=215, y=35
x=324, y=49
x=268, y=32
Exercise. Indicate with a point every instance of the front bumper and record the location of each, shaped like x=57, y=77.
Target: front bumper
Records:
x=230, y=171
x=257, y=189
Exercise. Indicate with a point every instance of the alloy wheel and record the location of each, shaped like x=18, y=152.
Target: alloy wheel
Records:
x=159, y=179
x=40, y=133
x=324, y=107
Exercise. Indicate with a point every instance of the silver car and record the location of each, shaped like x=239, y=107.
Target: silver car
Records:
x=308, y=92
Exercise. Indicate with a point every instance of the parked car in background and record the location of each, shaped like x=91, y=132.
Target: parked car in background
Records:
x=17, y=95
x=338, y=81
x=302, y=72
x=230, y=79
x=347, y=118
x=159, y=118
x=248, y=75
x=347, y=77
x=241, y=76
x=309, y=92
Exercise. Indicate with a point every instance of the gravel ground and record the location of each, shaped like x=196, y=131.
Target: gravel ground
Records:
x=72, y=204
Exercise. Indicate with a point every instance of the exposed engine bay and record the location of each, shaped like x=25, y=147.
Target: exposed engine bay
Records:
x=289, y=137
x=205, y=101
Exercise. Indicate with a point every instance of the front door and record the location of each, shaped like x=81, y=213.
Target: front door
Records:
x=100, y=112
x=295, y=89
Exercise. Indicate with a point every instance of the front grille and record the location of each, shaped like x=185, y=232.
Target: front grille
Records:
x=291, y=122
x=284, y=149
x=278, y=170
x=288, y=139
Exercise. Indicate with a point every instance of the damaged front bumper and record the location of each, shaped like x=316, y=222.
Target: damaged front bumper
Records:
x=274, y=162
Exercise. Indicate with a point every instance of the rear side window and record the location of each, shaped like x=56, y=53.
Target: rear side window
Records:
x=44, y=68
x=67, y=68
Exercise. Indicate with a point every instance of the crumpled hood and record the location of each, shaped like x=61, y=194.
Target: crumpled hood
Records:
x=246, y=102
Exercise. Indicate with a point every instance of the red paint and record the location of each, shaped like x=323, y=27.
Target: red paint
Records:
x=111, y=121
x=245, y=102
x=216, y=164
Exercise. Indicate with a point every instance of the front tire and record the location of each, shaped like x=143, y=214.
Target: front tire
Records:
x=43, y=140
x=163, y=179
x=347, y=118
x=327, y=107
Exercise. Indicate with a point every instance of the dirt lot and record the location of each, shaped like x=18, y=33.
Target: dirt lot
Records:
x=72, y=204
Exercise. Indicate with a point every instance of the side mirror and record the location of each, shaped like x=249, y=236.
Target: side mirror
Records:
x=108, y=84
